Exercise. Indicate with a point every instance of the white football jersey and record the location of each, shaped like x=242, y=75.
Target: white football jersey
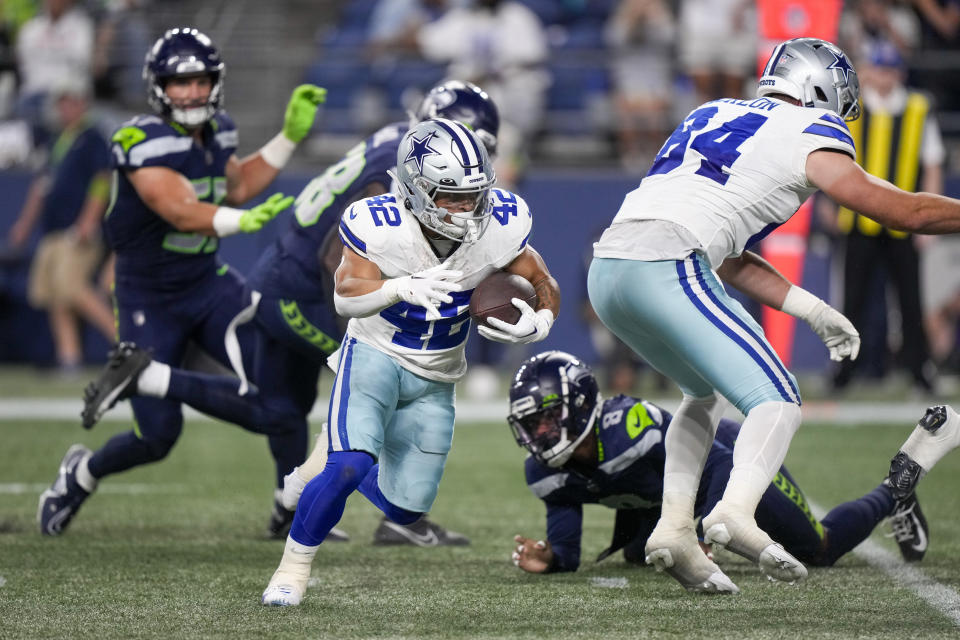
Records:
x=732, y=172
x=384, y=232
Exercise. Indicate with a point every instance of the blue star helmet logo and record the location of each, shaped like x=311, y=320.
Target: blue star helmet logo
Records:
x=419, y=149
x=840, y=62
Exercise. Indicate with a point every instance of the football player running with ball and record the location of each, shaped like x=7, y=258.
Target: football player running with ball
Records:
x=732, y=172
x=410, y=262
x=172, y=171
x=294, y=327
x=587, y=450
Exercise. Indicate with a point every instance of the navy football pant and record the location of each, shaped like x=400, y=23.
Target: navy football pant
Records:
x=165, y=322
x=784, y=514
x=284, y=368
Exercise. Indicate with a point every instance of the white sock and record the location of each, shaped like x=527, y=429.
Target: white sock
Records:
x=315, y=463
x=687, y=444
x=154, y=380
x=926, y=449
x=760, y=450
x=297, y=558
x=84, y=478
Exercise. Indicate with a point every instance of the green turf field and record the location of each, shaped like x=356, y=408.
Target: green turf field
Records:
x=174, y=550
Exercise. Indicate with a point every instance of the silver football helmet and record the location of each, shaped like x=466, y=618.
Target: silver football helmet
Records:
x=815, y=72
x=442, y=160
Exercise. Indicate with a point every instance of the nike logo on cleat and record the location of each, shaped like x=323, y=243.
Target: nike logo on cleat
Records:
x=428, y=539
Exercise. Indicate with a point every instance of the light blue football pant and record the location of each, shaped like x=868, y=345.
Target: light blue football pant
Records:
x=404, y=420
x=677, y=316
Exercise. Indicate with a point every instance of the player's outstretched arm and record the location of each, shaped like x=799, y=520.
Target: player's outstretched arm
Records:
x=757, y=278
x=847, y=183
x=248, y=177
x=171, y=196
x=533, y=556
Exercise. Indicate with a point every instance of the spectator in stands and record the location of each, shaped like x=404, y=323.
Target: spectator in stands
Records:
x=500, y=45
x=68, y=202
x=718, y=45
x=897, y=139
x=944, y=328
x=122, y=33
x=54, y=46
x=869, y=21
x=394, y=23
x=943, y=16
x=641, y=33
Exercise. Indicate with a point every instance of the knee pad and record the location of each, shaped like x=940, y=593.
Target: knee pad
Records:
x=347, y=469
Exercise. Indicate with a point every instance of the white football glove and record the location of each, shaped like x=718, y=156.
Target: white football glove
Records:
x=837, y=332
x=533, y=326
x=426, y=288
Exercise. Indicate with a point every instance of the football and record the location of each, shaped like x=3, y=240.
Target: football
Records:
x=491, y=298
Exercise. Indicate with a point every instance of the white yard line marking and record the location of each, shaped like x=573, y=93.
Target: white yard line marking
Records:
x=944, y=599
x=610, y=583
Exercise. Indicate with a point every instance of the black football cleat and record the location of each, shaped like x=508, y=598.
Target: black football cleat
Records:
x=909, y=529
x=280, y=520
x=422, y=533
x=117, y=380
x=62, y=500
x=903, y=476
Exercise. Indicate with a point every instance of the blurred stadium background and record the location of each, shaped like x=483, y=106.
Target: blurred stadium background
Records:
x=573, y=164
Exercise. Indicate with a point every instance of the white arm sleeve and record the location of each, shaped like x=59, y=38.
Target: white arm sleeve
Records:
x=368, y=303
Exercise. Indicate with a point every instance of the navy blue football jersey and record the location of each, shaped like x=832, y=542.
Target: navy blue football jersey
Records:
x=629, y=473
x=630, y=460
x=150, y=251
x=295, y=271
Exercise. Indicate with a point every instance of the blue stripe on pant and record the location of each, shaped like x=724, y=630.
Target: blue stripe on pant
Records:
x=677, y=316
x=402, y=419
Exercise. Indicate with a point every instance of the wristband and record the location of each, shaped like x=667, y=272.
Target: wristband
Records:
x=800, y=303
x=278, y=151
x=226, y=221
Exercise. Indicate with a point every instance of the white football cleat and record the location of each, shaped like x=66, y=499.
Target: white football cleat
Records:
x=678, y=553
x=281, y=595
x=289, y=581
x=293, y=486
x=730, y=530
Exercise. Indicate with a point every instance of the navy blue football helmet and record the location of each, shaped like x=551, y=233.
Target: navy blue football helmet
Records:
x=467, y=103
x=180, y=53
x=554, y=403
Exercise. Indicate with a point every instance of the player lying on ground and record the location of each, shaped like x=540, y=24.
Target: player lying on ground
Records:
x=586, y=450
